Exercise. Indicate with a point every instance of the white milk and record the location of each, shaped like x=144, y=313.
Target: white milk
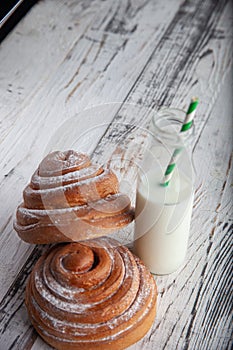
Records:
x=163, y=221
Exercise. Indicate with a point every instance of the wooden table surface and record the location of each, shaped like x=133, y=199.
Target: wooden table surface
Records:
x=64, y=58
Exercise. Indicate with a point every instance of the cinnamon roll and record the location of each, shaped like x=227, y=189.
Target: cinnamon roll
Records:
x=69, y=199
x=91, y=295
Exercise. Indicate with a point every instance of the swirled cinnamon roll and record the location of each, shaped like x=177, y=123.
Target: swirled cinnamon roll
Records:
x=92, y=295
x=69, y=199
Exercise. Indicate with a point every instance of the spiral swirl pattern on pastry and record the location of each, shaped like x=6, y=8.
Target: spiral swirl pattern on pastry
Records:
x=69, y=199
x=94, y=295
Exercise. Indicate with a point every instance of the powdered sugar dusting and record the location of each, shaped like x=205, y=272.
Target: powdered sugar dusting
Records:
x=40, y=182
x=70, y=301
x=47, y=191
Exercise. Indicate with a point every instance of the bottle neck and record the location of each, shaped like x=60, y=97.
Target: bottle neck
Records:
x=166, y=127
x=168, y=145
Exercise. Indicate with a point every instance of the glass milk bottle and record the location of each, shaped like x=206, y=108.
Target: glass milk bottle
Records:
x=163, y=213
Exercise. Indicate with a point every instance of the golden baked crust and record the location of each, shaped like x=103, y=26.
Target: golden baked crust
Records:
x=69, y=199
x=91, y=295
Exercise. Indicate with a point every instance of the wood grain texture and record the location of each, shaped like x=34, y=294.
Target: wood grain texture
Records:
x=150, y=54
x=19, y=160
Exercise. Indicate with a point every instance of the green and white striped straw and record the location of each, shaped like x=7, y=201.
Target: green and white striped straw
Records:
x=188, y=121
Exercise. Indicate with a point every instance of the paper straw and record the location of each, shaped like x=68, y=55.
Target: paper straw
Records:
x=188, y=121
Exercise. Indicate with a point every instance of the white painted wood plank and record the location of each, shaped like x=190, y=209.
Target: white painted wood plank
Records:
x=170, y=329
x=31, y=48
x=178, y=291
x=167, y=335
x=187, y=306
x=19, y=160
x=34, y=49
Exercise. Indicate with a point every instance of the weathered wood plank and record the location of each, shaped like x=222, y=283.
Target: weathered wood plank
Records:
x=17, y=339
x=177, y=323
x=210, y=318
x=14, y=302
x=189, y=302
x=24, y=83
x=172, y=334
x=27, y=57
x=18, y=160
